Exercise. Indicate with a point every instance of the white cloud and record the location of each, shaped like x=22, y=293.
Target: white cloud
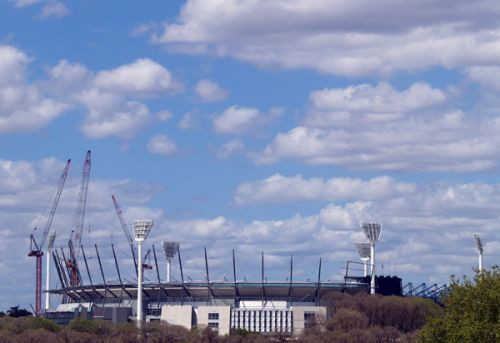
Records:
x=161, y=144
x=123, y=121
x=110, y=96
x=53, y=9
x=164, y=115
x=234, y=146
x=142, y=29
x=488, y=77
x=281, y=189
x=23, y=106
x=380, y=128
x=24, y=3
x=143, y=76
x=242, y=120
x=382, y=98
x=352, y=39
x=209, y=91
x=189, y=121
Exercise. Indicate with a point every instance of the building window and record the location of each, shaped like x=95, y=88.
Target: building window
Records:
x=213, y=316
x=309, y=319
x=213, y=325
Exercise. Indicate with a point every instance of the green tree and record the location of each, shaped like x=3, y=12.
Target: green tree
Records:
x=471, y=311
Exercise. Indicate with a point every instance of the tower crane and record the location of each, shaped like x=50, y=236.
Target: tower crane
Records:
x=126, y=231
x=77, y=230
x=36, y=250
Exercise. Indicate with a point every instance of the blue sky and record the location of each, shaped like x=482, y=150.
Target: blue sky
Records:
x=254, y=125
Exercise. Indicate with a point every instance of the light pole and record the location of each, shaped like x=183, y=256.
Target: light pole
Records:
x=364, y=253
x=372, y=232
x=479, y=247
x=169, y=250
x=141, y=231
x=52, y=238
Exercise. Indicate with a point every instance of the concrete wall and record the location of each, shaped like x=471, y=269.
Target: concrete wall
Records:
x=223, y=322
x=178, y=315
x=300, y=313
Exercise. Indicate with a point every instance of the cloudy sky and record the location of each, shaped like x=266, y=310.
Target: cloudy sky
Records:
x=254, y=125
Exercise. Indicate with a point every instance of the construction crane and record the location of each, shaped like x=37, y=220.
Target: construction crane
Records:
x=77, y=230
x=36, y=250
x=125, y=229
x=146, y=264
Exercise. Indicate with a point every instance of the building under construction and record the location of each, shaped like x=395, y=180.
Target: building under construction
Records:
x=288, y=306
x=261, y=306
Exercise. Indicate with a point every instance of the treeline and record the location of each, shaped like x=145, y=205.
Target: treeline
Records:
x=354, y=318
x=470, y=314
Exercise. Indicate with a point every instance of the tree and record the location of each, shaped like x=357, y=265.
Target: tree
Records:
x=16, y=312
x=471, y=311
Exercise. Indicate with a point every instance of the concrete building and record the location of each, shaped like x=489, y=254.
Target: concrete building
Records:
x=276, y=317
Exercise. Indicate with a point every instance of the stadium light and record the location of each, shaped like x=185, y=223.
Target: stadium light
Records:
x=372, y=232
x=364, y=253
x=141, y=231
x=479, y=247
x=169, y=250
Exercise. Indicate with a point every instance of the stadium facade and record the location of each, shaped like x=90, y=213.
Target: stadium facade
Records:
x=264, y=306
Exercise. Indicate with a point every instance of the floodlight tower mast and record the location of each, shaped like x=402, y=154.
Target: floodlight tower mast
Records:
x=372, y=232
x=479, y=247
x=141, y=231
x=77, y=230
x=50, y=245
x=364, y=250
x=170, y=250
x=37, y=250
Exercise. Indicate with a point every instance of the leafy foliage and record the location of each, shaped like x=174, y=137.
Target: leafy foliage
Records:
x=471, y=311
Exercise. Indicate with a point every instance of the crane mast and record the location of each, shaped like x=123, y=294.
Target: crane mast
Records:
x=77, y=230
x=37, y=250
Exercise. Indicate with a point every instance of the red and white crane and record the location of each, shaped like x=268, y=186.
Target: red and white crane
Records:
x=77, y=229
x=36, y=250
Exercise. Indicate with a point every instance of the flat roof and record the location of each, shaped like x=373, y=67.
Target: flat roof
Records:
x=204, y=290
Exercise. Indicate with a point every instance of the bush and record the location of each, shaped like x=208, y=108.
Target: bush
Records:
x=346, y=319
x=97, y=327
x=471, y=311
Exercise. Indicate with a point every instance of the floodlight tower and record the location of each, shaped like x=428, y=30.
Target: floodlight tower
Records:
x=372, y=232
x=141, y=231
x=50, y=245
x=479, y=247
x=364, y=253
x=170, y=250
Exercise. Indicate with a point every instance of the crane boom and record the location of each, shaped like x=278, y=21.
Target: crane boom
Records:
x=125, y=229
x=76, y=231
x=123, y=223
x=60, y=187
